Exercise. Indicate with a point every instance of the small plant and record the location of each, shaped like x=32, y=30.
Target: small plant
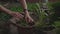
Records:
x=40, y=14
x=42, y=23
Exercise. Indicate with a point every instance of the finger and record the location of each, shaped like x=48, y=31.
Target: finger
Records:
x=31, y=23
x=21, y=15
x=30, y=19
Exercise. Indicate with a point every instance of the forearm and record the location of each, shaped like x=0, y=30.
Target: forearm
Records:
x=24, y=5
x=3, y=9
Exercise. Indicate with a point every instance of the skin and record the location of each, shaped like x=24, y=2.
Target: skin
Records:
x=24, y=6
x=17, y=14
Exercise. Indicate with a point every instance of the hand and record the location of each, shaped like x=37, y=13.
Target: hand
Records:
x=29, y=19
x=17, y=15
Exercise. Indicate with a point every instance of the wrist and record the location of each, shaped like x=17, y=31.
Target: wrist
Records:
x=25, y=10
